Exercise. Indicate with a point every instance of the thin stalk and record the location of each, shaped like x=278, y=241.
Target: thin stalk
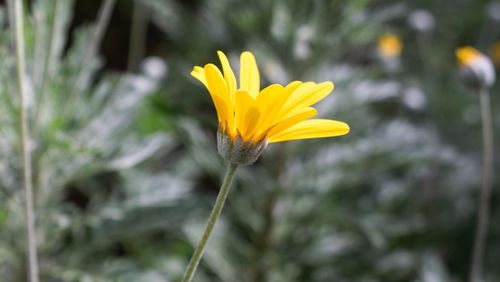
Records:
x=214, y=215
x=103, y=19
x=27, y=177
x=47, y=59
x=485, y=197
x=137, y=36
x=102, y=24
x=38, y=19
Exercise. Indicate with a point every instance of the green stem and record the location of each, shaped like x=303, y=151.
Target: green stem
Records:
x=214, y=215
x=485, y=198
x=17, y=11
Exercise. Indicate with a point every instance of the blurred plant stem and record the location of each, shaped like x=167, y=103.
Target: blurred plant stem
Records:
x=49, y=54
x=17, y=16
x=484, y=201
x=103, y=19
x=137, y=36
x=214, y=215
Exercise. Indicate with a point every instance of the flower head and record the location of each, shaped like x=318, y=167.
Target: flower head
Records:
x=421, y=20
x=250, y=118
x=389, y=46
x=475, y=68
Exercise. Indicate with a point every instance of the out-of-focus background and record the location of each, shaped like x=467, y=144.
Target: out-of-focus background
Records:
x=124, y=151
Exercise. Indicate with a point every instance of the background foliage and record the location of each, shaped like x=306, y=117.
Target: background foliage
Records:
x=126, y=168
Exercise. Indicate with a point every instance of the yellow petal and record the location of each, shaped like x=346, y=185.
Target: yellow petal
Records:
x=215, y=81
x=228, y=73
x=218, y=88
x=199, y=73
x=221, y=108
x=301, y=115
x=292, y=86
x=306, y=95
x=219, y=103
x=249, y=74
x=272, y=102
x=268, y=95
x=251, y=120
x=246, y=114
x=313, y=128
x=273, y=97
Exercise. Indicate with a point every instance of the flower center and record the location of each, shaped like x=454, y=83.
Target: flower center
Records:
x=466, y=56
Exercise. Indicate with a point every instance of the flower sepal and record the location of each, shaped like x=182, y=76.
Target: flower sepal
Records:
x=238, y=151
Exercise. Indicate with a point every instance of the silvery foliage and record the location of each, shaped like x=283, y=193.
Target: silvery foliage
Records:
x=81, y=125
x=388, y=202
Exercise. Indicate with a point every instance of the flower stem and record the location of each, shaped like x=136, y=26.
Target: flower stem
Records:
x=214, y=215
x=485, y=198
x=17, y=11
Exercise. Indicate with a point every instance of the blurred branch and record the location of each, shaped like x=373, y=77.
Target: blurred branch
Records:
x=48, y=58
x=17, y=11
x=137, y=36
x=101, y=26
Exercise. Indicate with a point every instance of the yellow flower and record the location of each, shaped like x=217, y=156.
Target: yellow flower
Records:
x=389, y=45
x=475, y=68
x=466, y=56
x=250, y=118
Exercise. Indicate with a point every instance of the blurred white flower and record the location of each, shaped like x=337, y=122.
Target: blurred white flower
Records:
x=414, y=99
x=154, y=67
x=373, y=91
x=493, y=10
x=421, y=20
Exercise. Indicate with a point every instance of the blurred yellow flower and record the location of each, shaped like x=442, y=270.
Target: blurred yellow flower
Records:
x=389, y=45
x=467, y=55
x=475, y=68
x=495, y=53
x=250, y=118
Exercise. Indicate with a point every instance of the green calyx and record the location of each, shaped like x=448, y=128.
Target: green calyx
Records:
x=238, y=151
